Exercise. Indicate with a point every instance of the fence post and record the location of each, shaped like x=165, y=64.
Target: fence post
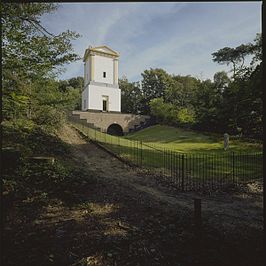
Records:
x=95, y=135
x=197, y=217
x=183, y=172
x=197, y=212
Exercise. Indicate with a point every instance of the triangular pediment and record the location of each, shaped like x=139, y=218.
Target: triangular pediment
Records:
x=104, y=50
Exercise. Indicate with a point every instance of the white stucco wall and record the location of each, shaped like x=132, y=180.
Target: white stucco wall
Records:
x=103, y=64
x=96, y=94
x=85, y=97
x=87, y=71
x=97, y=86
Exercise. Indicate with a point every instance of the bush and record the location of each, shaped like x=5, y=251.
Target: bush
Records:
x=49, y=118
x=186, y=117
x=164, y=112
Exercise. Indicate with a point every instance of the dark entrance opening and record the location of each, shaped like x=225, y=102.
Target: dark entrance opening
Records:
x=104, y=105
x=115, y=130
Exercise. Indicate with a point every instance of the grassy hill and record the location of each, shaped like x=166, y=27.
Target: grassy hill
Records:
x=189, y=141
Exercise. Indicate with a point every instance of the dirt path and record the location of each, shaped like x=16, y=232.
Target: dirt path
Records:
x=231, y=209
x=109, y=214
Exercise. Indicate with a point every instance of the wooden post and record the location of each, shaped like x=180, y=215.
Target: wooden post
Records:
x=183, y=173
x=197, y=214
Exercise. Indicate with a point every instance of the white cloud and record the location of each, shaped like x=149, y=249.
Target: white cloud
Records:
x=178, y=37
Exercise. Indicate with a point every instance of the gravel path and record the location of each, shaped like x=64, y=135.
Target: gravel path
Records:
x=244, y=207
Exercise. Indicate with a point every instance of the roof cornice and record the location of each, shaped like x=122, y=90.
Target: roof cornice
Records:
x=94, y=50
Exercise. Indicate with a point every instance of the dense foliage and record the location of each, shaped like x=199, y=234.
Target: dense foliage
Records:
x=226, y=104
x=35, y=103
x=32, y=57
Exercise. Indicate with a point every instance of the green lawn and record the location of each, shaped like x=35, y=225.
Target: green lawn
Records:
x=188, y=141
x=161, y=148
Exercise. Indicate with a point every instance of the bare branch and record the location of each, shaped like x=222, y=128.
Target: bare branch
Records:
x=37, y=26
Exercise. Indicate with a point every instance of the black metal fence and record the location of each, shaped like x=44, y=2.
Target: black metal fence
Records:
x=183, y=171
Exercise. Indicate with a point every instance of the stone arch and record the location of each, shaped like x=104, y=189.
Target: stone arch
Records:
x=115, y=129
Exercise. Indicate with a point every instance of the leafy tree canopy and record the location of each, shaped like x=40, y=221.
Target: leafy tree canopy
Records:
x=236, y=56
x=32, y=57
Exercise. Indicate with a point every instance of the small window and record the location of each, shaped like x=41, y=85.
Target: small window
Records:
x=104, y=74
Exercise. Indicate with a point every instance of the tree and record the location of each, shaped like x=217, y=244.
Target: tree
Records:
x=207, y=107
x=164, y=113
x=76, y=83
x=29, y=53
x=221, y=80
x=184, y=89
x=155, y=82
x=130, y=96
x=74, y=87
x=186, y=117
x=241, y=98
x=236, y=56
x=256, y=50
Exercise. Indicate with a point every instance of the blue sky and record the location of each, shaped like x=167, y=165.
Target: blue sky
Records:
x=178, y=37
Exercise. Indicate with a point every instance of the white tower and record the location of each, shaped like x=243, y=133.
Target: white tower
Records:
x=101, y=91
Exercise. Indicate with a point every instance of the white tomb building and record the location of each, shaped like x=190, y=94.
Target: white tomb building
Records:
x=101, y=91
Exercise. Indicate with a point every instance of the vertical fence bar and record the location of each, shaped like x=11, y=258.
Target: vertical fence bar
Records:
x=236, y=169
x=179, y=170
x=188, y=171
x=141, y=153
x=138, y=152
x=195, y=175
x=168, y=163
x=242, y=160
x=214, y=174
x=165, y=163
x=119, y=146
x=163, y=160
x=175, y=168
x=134, y=149
x=131, y=143
x=213, y=183
x=183, y=172
x=171, y=165
x=204, y=163
x=233, y=165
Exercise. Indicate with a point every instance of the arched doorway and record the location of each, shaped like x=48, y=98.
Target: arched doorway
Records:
x=115, y=129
